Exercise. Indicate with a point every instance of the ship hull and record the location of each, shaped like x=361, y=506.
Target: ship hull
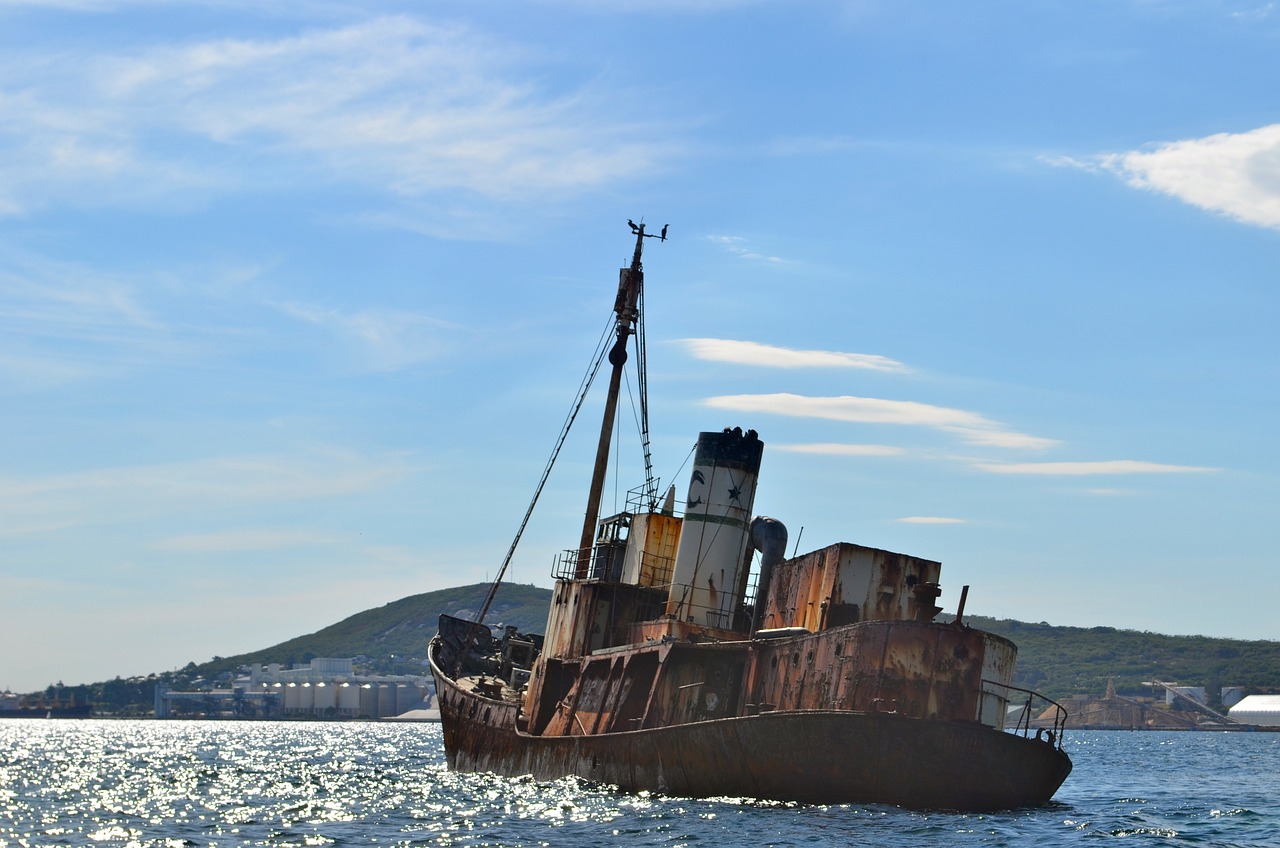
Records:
x=813, y=757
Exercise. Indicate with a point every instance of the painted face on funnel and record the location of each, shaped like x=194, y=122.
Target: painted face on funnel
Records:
x=697, y=487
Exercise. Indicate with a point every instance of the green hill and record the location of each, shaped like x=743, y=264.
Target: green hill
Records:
x=1056, y=661
x=394, y=637
x=1064, y=661
x=391, y=639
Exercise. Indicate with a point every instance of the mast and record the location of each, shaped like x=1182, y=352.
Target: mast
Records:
x=627, y=312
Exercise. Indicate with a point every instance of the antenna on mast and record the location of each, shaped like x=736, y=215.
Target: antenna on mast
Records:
x=629, y=310
x=629, y=320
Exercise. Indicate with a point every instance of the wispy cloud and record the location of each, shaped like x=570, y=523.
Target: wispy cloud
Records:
x=968, y=426
x=382, y=339
x=814, y=145
x=1090, y=469
x=30, y=371
x=1233, y=174
x=39, y=503
x=739, y=247
x=42, y=297
x=61, y=322
x=773, y=356
x=929, y=519
x=393, y=102
x=840, y=449
x=252, y=539
x=1259, y=12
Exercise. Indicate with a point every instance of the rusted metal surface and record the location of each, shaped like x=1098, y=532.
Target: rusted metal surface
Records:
x=881, y=711
x=998, y=660
x=588, y=615
x=905, y=667
x=670, y=629
x=813, y=757
x=847, y=583
x=651, y=554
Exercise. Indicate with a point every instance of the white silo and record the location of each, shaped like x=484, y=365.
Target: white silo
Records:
x=306, y=698
x=348, y=700
x=368, y=701
x=388, y=706
x=326, y=698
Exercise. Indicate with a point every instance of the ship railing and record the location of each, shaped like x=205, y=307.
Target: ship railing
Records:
x=679, y=595
x=1052, y=716
x=644, y=498
x=607, y=551
x=565, y=565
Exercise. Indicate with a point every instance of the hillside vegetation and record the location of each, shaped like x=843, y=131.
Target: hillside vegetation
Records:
x=1064, y=661
x=394, y=637
x=1056, y=661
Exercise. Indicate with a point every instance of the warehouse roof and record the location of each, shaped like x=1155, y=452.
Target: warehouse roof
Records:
x=1257, y=709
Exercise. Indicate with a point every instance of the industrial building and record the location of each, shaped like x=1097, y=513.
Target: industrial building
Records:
x=326, y=688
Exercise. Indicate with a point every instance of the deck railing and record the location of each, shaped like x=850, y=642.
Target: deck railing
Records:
x=1028, y=726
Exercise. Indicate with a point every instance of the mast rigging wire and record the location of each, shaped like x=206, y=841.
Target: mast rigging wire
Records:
x=587, y=379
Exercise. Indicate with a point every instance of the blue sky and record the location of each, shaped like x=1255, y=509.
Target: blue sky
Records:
x=294, y=300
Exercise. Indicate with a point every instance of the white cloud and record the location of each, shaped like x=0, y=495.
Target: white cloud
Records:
x=993, y=435
x=1089, y=469
x=773, y=356
x=393, y=102
x=930, y=519
x=833, y=449
x=969, y=426
x=1234, y=174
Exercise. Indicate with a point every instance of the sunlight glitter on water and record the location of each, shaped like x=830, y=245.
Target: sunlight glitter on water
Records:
x=149, y=783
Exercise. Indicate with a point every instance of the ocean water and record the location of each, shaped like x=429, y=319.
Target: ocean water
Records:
x=179, y=783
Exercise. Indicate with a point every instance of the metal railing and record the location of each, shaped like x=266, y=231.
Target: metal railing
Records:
x=606, y=564
x=1025, y=725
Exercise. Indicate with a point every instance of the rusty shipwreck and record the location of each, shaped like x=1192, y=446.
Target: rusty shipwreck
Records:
x=677, y=662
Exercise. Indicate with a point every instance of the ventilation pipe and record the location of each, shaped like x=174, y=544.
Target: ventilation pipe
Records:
x=769, y=537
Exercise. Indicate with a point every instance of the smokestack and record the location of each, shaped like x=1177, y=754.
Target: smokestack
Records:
x=711, y=558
